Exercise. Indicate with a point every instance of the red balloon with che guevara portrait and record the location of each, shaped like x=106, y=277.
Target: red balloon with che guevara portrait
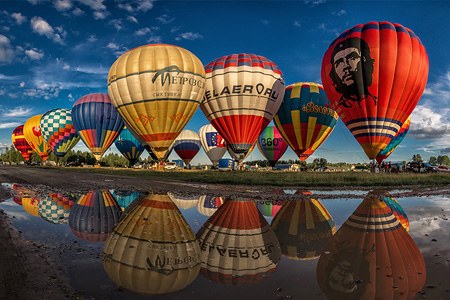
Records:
x=374, y=75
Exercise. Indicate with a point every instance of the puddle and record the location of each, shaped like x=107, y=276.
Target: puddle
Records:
x=194, y=246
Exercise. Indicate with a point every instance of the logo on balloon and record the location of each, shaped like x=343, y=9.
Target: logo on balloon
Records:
x=310, y=107
x=167, y=76
x=144, y=119
x=37, y=130
x=351, y=72
x=260, y=89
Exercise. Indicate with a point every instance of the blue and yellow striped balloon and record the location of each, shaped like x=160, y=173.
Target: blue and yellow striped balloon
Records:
x=129, y=146
x=305, y=118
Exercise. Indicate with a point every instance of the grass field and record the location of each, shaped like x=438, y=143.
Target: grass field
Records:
x=278, y=178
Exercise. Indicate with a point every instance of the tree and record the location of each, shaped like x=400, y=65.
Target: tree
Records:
x=417, y=158
x=443, y=160
x=432, y=160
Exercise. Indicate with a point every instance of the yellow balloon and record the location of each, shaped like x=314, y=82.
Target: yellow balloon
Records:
x=33, y=135
x=157, y=89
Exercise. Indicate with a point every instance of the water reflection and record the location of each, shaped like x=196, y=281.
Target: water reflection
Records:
x=303, y=228
x=371, y=257
x=55, y=207
x=152, y=250
x=238, y=246
x=94, y=216
x=125, y=198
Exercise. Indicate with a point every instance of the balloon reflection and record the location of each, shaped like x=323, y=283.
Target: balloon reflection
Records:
x=152, y=250
x=269, y=208
x=31, y=204
x=94, y=215
x=238, y=246
x=207, y=205
x=303, y=228
x=125, y=198
x=55, y=207
x=371, y=257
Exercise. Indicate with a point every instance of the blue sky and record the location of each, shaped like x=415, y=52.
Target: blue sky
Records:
x=54, y=52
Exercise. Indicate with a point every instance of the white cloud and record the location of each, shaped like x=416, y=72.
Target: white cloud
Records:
x=142, y=31
x=63, y=5
x=22, y=84
x=265, y=22
x=165, y=19
x=70, y=97
x=17, y=112
x=6, y=77
x=9, y=125
x=116, y=23
x=92, y=38
x=42, y=27
x=297, y=24
x=19, y=18
x=339, y=12
x=190, y=36
x=132, y=19
x=92, y=69
x=6, y=50
x=112, y=46
x=99, y=9
x=77, y=11
x=154, y=40
x=314, y=2
x=66, y=67
x=34, y=54
x=132, y=6
x=34, y=2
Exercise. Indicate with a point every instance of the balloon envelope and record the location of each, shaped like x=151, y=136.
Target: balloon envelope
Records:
x=393, y=144
x=21, y=144
x=58, y=130
x=374, y=75
x=33, y=135
x=129, y=146
x=94, y=216
x=271, y=144
x=187, y=145
x=305, y=119
x=55, y=207
x=213, y=143
x=157, y=89
x=97, y=122
x=243, y=93
x=152, y=250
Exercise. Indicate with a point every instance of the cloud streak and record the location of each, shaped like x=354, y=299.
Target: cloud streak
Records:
x=43, y=28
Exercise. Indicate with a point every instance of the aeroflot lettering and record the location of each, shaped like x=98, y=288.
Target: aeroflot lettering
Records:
x=260, y=89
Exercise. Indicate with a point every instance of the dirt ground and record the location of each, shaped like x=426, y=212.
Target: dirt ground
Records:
x=20, y=258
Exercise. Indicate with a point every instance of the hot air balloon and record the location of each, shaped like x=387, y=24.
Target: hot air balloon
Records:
x=397, y=210
x=94, y=216
x=239, y=158
x=129, y=146
x=243, y=93
x=21, y=144
x=33, y=135
x=55, y=207
x=303, y=228
x=152, y=250
x=213, y=143
x=374, y=75
x=371, y=257
x=237, y=245
x=187, y=145
x=393, y=144
x=271, y=144
x=157, y=89
x=97, y=122
x=207, y=205
x=305, y=119
x=58, y=130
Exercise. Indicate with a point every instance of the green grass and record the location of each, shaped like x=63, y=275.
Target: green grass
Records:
x=307, y=179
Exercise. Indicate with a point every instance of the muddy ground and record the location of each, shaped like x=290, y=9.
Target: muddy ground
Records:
x=19, y=258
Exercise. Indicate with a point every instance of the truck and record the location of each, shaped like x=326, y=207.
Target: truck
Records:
x=226, y=164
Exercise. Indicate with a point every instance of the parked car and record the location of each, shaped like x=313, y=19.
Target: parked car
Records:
x=443, y=169
x=170, y=166
x=430, y=168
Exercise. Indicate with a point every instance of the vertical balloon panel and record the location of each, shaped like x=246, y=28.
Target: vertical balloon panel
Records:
x=130, y=147
x=152, y=250
x=157, y=89
x=21, y=144
x=243, y=93
x=395, y=142
x=374, y=75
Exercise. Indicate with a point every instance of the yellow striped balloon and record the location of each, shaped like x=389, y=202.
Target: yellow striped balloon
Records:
x=157, y=89
x=33, y=135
